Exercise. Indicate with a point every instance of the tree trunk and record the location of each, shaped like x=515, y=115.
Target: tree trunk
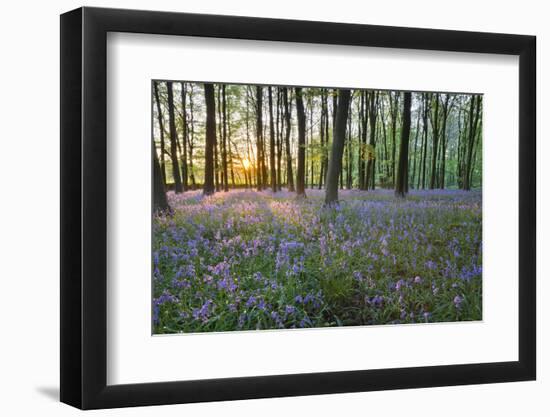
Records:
x=300, y=171
x=217, y=182
x=363, y=154
x=210, y=102
x=160, y=203
x=161, y=129
x=339, y=135
x=372, y=107
x=402, y=168
x=191, y=138
x=273, y=169
x=413, y=179
x=288, y=117
x=259, y=134
x=444, y=142
x=435, y=138
x=427, y=99
x=173, y=140
x=393, y=110
x=323, y=138
x=184, y=176
x=279, y=138
x=224, y=140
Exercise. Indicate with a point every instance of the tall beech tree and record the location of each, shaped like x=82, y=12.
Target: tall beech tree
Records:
x=279, y=136
x=426, y=100
x=339, y=137
x=288, y=151
x=224, y=139
x=300, y=170
x=324, y=137
x=272, y=167
x=259, y=139
x=372, y=109
x=173, y=139
x=394, y=103
x=210, y=138
x=161, y=130
x=435, y=141
x=184, y=176
x=160, y=203
x=401, y=183
x=191, y=141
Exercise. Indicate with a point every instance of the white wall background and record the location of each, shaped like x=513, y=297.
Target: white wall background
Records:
x=29, y=225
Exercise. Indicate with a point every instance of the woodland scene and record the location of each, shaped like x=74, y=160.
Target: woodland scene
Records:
x=281, y=207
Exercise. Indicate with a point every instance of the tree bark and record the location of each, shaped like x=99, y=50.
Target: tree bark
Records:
x=273, y=169
x=210, y=102
x=426, y=99
x=173, y=139
x=402, y=167
x=435, y=139
x=335, y=160
x=300, y=171
x=393, y=110
x=161, y=129
x=413, y=179
x=184, y=176
x=259, y=135
x=224, y=140
x=288, y=120
x=160, y=203
x=372, y=107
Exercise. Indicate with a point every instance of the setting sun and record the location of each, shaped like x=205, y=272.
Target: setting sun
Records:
x=246, y=164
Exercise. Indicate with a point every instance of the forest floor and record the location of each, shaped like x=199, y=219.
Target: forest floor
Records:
x=244, y=260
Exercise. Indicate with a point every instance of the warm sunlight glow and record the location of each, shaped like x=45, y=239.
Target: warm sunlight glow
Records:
x=246, y=164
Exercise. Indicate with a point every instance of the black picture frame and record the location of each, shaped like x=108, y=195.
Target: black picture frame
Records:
x=84, y=207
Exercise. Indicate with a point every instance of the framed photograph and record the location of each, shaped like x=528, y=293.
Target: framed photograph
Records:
x=255, y=208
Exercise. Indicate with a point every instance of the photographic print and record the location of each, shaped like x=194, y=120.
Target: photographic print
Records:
x=282, y=207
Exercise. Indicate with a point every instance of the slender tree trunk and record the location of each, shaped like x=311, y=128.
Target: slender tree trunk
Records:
x=300, y=171
x=210, y=102
x=372, y=106
x=173, y=139
x=218, y=180
x=191, y=142
x=349, y=168
x=288, y=120
x=335, y=161
x=402, y=168
x=259, y=134
x=394, y=101
x=279, y=137
x=161, y=129
x=160, y=203
x=273, y=169
x=311, y=145
x=363, y=154
x=385, y=137
x=229, y=152
x=413, y=179
x=427, y=99
x=435, y=135
x=322, y=138
x=224, y=140
x=184, y=176
x=444, y=142
x=248, y=144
